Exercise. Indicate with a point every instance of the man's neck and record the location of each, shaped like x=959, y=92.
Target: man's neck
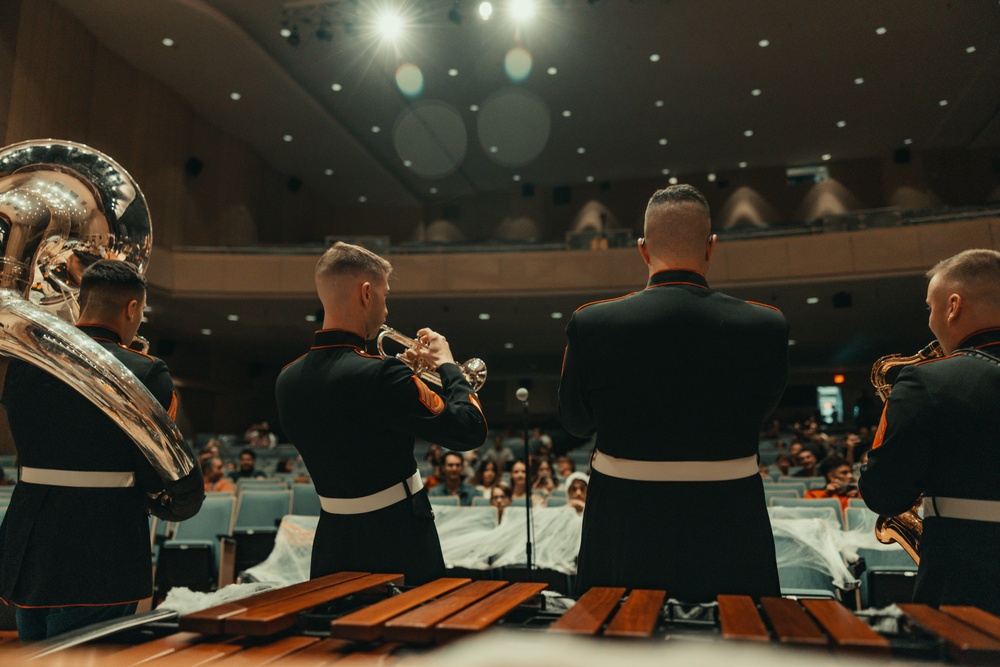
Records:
x=453, y=486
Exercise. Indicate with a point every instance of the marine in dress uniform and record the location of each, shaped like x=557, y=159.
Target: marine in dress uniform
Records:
x=939, y=437
x=76, y=533
x=676, y=380
x=354, y=418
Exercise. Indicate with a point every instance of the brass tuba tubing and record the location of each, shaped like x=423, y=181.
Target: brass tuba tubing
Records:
x=474, y=369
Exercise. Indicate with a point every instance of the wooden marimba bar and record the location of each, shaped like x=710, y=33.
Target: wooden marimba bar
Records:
x=257, y=629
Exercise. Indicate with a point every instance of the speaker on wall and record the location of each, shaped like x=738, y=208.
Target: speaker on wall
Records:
x=193, y=166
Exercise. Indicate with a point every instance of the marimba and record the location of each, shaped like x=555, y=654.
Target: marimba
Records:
x=355, y=615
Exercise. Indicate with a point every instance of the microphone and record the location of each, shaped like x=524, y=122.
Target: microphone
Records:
x=522, y=395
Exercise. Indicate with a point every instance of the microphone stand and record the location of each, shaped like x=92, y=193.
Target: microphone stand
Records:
x=527, y=492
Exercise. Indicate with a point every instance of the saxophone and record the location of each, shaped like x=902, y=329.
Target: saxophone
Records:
x=907, y=528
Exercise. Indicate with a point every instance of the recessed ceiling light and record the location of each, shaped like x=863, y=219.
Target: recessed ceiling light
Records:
x=748, y=133
x=567, y=113
x=310, y=318
x=233, y=318
x=287, y=137
x=517, y=177
x=407, y=163
x=841, y=123
x=453, y=72
x=376, y=129
x=812, y=300
x=826, y=156
x=336, y=87
x=673, y=180
x=860, y=80
x=206, y=332
x=662, y=141
x=665, y=171
x=590, y=179
x=743, y=165
x=473, y=108
x=791, y=341
x=494, y=149
x=880, y=30
x=508, y=346
x=167, y=41
x=654, y=57
x=756, y=92
x=433, y=191
x=907, y=141
x=285, y=32
x=552, y=71
x=658, y=103
x=943, y=103
x=764, y=43
x=484, y=316
x=711, y=177
x=362, y=199
x=557, y=315
x=328, y=172
x=970, y=49
x=581, y=150
x=235, y=97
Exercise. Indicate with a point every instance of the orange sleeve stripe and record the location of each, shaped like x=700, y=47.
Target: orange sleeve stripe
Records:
x=880, y=433
x=172, y=410
x=431, y=401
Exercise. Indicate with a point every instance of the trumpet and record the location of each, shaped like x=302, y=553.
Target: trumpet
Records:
x=474, y=369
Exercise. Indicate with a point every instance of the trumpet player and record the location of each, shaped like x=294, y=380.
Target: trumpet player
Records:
x=354, y=418
x=938, y=437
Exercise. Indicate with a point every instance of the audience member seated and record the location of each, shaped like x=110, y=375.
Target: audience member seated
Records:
x=764, y=470
x=576, y=491
x=840, y=481
x=248, y=467
x=210, y=450
x=215, y=481
x=540, y=444
x=454, y=481
x=564, y=468
x=542, y=474
x=499, y=453
x=807, y=459
x=486, y=477
x=4, y=479
x=259, y=435
x=784, y=463
x=285, y=467
x=518, y=480
x=500, y=498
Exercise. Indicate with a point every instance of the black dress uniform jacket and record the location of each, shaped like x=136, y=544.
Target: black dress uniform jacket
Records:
x=353, y=418
x=676, y=372
x=940, y=436
x=62, y=546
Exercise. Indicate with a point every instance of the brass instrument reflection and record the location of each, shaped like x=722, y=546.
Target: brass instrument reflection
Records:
x=474, y=369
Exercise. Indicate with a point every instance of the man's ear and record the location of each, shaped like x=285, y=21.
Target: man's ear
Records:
x=366, y=293
x=955, y=304
x=711, y=246
x=132, y=310
x=643, y=250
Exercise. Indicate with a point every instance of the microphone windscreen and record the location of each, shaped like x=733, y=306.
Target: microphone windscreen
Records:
x=522, y=394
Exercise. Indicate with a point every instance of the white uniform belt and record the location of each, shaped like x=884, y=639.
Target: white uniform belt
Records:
x=86, y=479
x=675, y=471
x=962, y=508
x=374, y=501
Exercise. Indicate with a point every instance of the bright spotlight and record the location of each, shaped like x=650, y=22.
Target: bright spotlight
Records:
x=522, y=10
x=486, y=10
x=390, y=24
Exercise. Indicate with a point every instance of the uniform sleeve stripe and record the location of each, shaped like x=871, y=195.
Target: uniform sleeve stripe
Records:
x=172, y=410
x=431, y=401
x=880, y=433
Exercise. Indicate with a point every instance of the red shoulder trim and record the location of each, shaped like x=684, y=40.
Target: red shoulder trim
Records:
x=927, y=361
x=676, y=283
x=293, y=361
x=327, y=347
x=765, y=305
x=594, y=303
x=141, y=354
x=362, y=353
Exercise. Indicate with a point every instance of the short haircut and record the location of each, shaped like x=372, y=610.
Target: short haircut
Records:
x=831, y=463
x=679, y=194
x=455, y=454
x=110, y=284
x=249, y=451
x=208, y=463
x=977, y=270
x=346, y=259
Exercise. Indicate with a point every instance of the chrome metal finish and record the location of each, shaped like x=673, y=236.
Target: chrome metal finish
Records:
x=474, y=369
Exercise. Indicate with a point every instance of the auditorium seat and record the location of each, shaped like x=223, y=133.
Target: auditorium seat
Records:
x=260, y=485
x=857, y=502
x=771, y=492
x=556, y=501
x=262, y=509
x=812, y=505
x=305, y=500
x=445, y=501
x=558, y=493
x=192, y=558
x=479, y=501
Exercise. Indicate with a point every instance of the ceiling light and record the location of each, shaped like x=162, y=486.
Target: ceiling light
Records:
x=233, y=318
x=663, y=142
x=453, y=72
x=812, y=300
x=407, y=163
x=517, y=177
x=581, y=150
x=362, y=199
x=206, y=332
x=167, y=41
x=970, y=49
x=711, y=177
x=880, y=31
x=336, y=87
x=433, y=191
x=376, y=129
x=860, y=80
x=552, y=71
x=841, y=123
x=673, y=180
x=557, y=315
x=907, y=141
x=756, y=92
x=590, y=179
x=287, y=138
x=747, y=133
x=763, y=43
x=310, y=318
x=235, y=97
x=665, y=171
x=285, y=32
x=328, y=172
x=943, y=103
x=485, y=10
x=484, y=316
x=473, y=108
x=826, y=156
x=791, y=341
x=658, y=103
x=567, y=113
x=494, y=149
x=654, y=57
x=508, y=346
x=522, y=10
x=390, y=24
x=743, y=165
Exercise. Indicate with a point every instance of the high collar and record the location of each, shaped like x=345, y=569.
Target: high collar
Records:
x=677, y=276
x=97, y=331
x=331, y=337
x=986, y=337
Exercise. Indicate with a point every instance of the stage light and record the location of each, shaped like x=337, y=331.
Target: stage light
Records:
x=390, y=24
x=522, y=10
x=838, y=378
x=485, y=10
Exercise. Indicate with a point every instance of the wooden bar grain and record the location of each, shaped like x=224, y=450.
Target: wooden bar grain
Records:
x=638, y=615
x=977, y=618
x=844, y=628
x=487, y=611
x=791, y=623
x=369, y=623
x=588, y=615
x=273, y=650
x=739, y=619
x=965, y=644
x=273, y=618
x=417, y=626
x=211, y=621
